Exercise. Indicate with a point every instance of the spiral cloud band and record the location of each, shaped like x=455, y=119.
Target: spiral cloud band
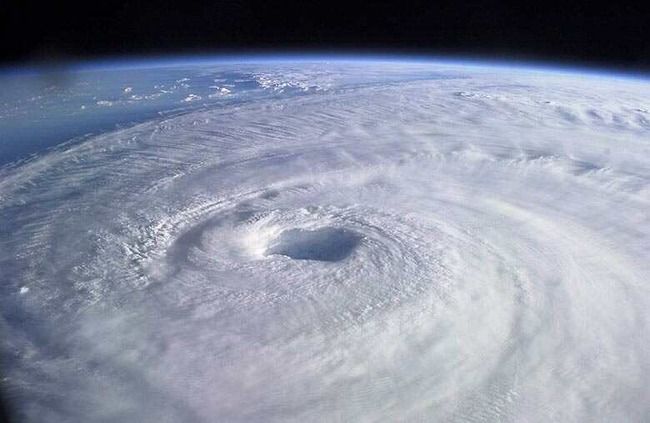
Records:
x=467, y=244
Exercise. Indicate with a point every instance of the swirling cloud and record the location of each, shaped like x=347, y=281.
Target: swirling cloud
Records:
x=466, y=248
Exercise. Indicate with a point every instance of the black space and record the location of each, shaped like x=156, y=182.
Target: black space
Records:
x=613, y=33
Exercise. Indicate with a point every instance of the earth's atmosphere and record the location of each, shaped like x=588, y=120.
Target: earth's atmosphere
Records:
x=325, y=241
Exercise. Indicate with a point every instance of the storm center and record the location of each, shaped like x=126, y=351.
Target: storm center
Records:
x=326, y=244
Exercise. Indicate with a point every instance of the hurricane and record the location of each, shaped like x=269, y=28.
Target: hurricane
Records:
x=337, y=241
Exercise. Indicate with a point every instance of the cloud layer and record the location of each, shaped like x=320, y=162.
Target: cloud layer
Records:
x=466, y=248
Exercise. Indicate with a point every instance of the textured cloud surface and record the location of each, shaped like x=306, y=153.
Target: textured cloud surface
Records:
x=466, y=245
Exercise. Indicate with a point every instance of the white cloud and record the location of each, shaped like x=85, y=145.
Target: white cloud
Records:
x=469, y=246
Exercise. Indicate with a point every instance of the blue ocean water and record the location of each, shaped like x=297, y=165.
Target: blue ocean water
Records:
x=42, y=110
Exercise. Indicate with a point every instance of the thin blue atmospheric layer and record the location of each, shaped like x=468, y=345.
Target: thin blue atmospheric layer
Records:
x=361, y=57
x=40, y=110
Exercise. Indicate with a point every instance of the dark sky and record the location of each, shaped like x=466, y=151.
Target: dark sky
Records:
x=612, y=33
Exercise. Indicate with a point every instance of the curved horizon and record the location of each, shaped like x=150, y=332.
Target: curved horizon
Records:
x=132, y=61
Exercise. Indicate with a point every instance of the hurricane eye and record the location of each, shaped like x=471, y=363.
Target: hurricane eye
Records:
x=325, y=244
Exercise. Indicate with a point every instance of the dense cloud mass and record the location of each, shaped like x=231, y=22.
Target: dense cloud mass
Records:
x=466, y=245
